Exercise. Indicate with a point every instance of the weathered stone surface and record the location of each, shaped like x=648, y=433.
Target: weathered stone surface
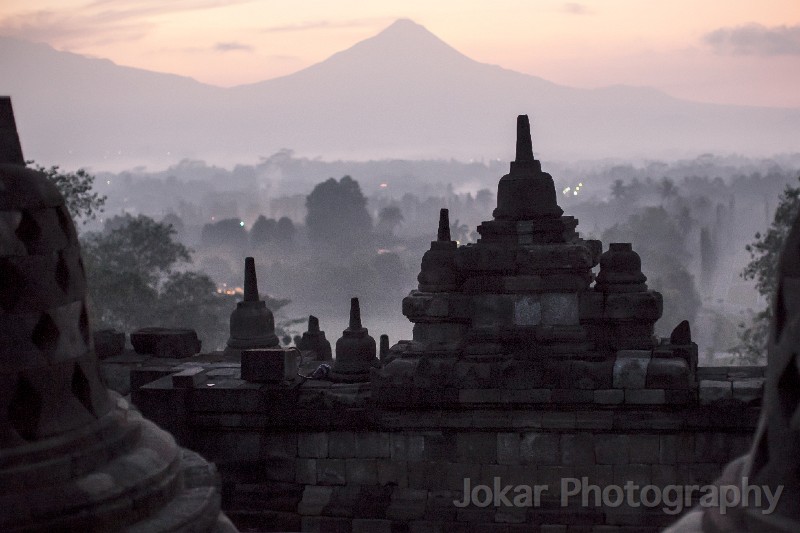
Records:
x=645, y=396
x=315, y=499
x=108, y=342
x=630, y=369
x=668, y=374
x=611, y=449
x=189, y=378
x=748, y=389
x=712, y=391
x=539, y=448
x=165, y=342
x=559, y=309
x=312, y=445
x=269, y=365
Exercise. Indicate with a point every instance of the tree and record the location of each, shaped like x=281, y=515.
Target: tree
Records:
x=618, y=190
x=76, y=187
x=667, y=188
x=388, y=219
x=285, y=230
x=134, y=281
x=263, y=231
x=228, y=233
x=337, y=213
x=661, y=245
x=763, y=268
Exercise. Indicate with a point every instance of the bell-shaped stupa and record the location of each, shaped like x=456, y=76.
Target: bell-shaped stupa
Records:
x=526, y=193
x=314, y=341
x=355, y=350
x=438, y=272
x=252, y=324
x=73, y=456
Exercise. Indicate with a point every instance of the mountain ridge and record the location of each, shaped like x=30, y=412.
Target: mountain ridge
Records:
x=400, y=93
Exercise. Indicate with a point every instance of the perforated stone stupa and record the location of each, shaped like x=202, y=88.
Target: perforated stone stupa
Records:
x=73, y=457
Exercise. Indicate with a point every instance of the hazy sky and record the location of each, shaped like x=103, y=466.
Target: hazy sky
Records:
x=725, y=51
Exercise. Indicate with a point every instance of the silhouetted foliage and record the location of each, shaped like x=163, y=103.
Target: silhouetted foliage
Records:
x=388, y=219
x=763, y=268
x=76, y=187
x=264, y=231
x=656, y=238
x=134, y=281
x=337, y=212
x=228, y=232
x=285, y=230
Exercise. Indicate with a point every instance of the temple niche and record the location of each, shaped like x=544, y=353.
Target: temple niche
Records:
x=73, y=456
x=523, y=309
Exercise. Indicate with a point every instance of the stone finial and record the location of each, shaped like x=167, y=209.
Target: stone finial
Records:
x=383, y=350
x=313, y=324
x=524, y=143
x=250, y=281
x=438, y=271
x=355, y=315
x=252, y=324
x=10, y=148
x=526, y=193
x=444, y=225
x=681, y=335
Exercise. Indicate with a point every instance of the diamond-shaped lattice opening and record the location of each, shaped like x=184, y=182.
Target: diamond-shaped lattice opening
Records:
x=28, y=230
x=65, y=222
x=83, y=325
x=62, y=272
x=25, y=409
x=45, y=334
x=11, y=285
x=81, y=388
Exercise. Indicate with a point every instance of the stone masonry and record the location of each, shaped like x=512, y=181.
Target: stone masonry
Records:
x=525, y=368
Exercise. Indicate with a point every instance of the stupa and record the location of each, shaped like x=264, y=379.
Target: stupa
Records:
x=520, y=309
x=355, y=350
x=73, y=456
x=252, y=324
x=314, y=341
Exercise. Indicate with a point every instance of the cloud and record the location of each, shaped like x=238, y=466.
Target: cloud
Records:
x=755, y=39
x=574, y=8
x=232, y=47
x=99, y=22
x=324, y=25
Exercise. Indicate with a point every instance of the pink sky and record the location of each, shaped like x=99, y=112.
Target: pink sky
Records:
x=723, y=51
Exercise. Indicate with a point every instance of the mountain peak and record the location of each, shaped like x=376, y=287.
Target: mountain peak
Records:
x=404, y=39
x=406, y=32
x=405, y=25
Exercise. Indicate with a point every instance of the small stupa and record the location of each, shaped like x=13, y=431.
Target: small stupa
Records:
x=438, y=272
x=252, y=323
x=355, y=350
x=314, y=341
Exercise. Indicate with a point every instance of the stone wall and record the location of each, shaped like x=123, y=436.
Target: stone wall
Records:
x=318, y=456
